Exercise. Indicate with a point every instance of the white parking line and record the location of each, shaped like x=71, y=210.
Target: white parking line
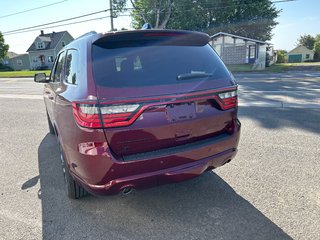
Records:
x=11, y=81
x=21, y=96
x=281, y=91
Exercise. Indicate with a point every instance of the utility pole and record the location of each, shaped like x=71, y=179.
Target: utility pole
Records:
x=111, y=15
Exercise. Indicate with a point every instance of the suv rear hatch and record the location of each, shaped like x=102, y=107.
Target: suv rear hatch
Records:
x=160, y=89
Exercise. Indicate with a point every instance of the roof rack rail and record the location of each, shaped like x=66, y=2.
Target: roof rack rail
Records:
x=87, y=34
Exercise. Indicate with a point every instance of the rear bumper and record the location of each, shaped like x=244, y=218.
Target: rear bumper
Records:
x=161, y=169
x=175, y=174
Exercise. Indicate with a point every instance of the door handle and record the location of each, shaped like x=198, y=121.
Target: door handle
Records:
x=50, y=97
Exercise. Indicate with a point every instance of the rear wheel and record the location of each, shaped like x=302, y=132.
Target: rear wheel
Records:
x=74, y=191
x=51, y=128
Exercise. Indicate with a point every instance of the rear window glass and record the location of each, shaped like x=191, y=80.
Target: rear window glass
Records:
x=155, y=65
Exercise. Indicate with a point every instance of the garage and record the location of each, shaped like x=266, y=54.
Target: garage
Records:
x=295, y=58
x=300, y=54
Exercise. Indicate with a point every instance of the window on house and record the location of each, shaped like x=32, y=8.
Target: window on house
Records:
x=252, y=51
x=34, y=59
x=40, y=45
x=19, y=62
x=228, y=40
x=50, y=59
x=307, y=56
x=218, y=49
x=63, y=44
x=72, y=66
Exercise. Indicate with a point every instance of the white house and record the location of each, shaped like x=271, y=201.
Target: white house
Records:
x=45, y=48
x=235, y=49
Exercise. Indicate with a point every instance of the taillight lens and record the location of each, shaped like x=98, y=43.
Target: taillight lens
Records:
x=103, y=115
x=228, y=100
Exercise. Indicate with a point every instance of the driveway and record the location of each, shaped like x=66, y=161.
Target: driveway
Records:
x=269, y=191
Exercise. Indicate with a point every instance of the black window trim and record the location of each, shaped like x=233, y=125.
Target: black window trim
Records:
x=55, y=66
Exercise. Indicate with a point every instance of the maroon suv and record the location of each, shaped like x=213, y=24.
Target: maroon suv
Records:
x=136, y=109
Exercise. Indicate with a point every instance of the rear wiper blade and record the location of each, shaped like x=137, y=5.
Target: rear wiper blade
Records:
x=192, y=75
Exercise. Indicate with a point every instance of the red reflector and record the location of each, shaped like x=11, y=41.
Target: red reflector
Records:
x=229, y=102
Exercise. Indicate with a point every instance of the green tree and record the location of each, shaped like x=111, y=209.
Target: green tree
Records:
x=281, y=56
x=316, y=47
x=155, y=12
x=306, y=40
x=249, y=18
x=3, y=47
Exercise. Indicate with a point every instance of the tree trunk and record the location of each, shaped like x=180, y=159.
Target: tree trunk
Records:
x=167, y=15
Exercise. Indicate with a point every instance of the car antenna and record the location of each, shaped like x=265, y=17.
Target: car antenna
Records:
x=146, y=26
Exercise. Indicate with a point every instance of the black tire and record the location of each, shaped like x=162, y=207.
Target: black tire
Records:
x=51, y=128
x=74, y=191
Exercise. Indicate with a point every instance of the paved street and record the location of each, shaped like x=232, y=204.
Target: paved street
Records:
x=280, y=89
x=269, y=191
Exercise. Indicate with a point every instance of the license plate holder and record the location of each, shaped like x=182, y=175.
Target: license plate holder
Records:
x=180, y=112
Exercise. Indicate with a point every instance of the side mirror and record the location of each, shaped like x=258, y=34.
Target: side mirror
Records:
x=40, y=78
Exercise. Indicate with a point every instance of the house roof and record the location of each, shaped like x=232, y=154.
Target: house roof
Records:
x=239, y=37
x=11, y=54
x=301, y=47
x=45, y=39
x=20, y=55
x=52, y=40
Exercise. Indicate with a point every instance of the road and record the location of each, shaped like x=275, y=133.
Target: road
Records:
x=280, y=89
x=269, y=191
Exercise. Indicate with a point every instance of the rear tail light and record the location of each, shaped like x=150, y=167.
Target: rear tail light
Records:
x=228, y=100
x=95, y=115
x=102, y=115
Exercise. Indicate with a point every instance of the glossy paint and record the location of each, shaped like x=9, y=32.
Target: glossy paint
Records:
x=154, y=149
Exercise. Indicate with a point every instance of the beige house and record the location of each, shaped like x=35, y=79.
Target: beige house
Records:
x=16, y=61
x=45, y=48
x=20, y=62
x=5, y=60
x=300, y=54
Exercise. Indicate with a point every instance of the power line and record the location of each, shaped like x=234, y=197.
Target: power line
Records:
x=59, y=21
x=36, y=27
x=32, y=9
x=280, y=1
x=61, y=25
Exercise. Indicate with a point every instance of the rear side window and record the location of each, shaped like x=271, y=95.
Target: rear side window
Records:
x=155, y=65
x=58, y=69
x=72, y=66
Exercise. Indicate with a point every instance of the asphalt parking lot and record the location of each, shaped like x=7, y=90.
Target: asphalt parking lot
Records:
x=269, y=191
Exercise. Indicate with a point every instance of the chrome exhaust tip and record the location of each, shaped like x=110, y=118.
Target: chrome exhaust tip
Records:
x=126, y=190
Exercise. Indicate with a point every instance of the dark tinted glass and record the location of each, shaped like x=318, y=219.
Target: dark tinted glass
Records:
x=155, y=65
x=72, y=66
x=58, y=73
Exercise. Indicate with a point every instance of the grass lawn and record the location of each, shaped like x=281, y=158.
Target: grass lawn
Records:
x=240, y=67
x=22, y=73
